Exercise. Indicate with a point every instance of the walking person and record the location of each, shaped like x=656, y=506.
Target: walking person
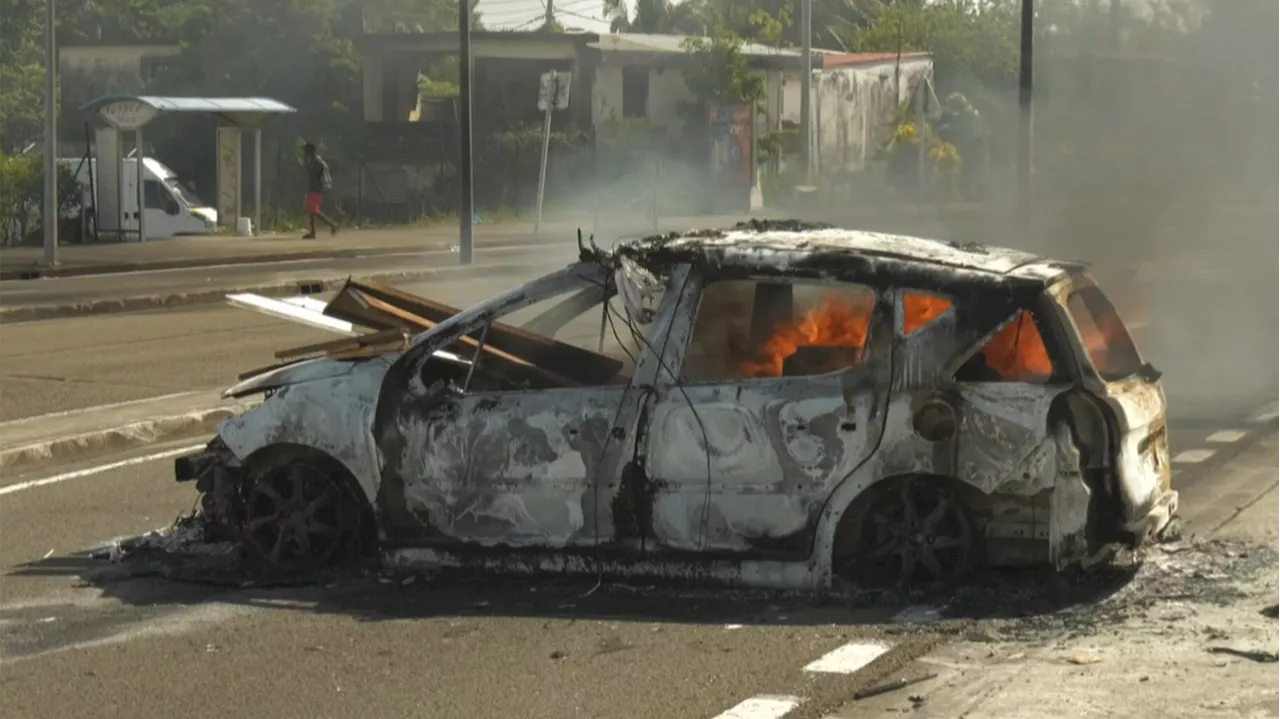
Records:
x=318, y=180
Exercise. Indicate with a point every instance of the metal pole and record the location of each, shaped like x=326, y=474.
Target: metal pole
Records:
x=806, y=87
x=546, y=146
x=1025, y=79
x=50, y=137
x=922, y=139
x=141, y=186
x=466, y=207
x=257, y=180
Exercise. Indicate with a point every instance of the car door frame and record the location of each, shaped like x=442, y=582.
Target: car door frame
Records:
x=405, y=399
x=792, y=537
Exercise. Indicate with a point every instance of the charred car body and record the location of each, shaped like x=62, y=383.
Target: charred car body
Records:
x=779, y=404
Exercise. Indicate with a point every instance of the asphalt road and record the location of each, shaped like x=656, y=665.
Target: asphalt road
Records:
x=187, y=281
x=143, y=647
x=78, y=638
x=56, y=365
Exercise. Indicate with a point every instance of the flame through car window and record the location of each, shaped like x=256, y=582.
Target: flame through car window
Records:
x=1016, y=353
x=747, y=329
x=1103, y=333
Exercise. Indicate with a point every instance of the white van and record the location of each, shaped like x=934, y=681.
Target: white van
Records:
x=171, y=207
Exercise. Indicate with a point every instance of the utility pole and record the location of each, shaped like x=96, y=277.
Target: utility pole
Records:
x=50, y=137
x=806, y=87
x=551, y=15
x=466, y=206
x=1115, y=26
x=1025, y=75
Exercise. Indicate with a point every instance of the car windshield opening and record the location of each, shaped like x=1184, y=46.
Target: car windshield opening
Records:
x=1105, y=338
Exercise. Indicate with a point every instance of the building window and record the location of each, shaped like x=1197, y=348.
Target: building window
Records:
x=635, y=91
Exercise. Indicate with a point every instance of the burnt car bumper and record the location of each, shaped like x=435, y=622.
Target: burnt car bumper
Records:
x=218, y=476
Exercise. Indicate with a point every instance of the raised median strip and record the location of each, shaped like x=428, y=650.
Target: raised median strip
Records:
x=142, y=303
x=95, y=431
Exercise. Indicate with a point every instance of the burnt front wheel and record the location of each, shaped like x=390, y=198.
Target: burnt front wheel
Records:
x=917, y=533
x=298, y=515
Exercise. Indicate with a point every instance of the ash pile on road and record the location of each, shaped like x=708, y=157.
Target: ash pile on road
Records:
x=1136, y=587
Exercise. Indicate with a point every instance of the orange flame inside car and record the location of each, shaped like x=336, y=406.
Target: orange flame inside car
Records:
x=920, y=310
x=1017, y=352
x=833, y=323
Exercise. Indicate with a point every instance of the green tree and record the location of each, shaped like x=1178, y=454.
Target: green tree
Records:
x=21, y=73
x=969, y=42
x=654, y=17
x=718, y=71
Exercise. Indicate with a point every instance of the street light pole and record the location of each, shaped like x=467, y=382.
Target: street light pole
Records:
x=806, y=87
x=466, y=207
x=1025, y=79
x=50, y=138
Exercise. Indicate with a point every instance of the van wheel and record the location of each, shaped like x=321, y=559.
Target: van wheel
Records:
x=917, y=532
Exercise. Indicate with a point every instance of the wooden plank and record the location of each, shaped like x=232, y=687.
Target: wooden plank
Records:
x=590, y=368
x=474, y=344
x=384, y=337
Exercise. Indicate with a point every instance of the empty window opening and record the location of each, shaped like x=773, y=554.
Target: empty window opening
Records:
x=635, y=91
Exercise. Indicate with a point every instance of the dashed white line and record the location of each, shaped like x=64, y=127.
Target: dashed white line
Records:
x=847, y=659
x=1267, y=414
x=1192, y=456
x=88, y=471
x=761, y=707
x=1227, y=436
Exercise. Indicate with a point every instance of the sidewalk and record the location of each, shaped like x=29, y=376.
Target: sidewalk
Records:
x=65, y=436
x=205, y=251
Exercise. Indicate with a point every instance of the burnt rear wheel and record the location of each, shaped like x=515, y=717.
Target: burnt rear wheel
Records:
x=299, y=514
x=917, y=532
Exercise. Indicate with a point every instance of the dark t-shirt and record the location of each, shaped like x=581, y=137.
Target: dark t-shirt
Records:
x=315, y=174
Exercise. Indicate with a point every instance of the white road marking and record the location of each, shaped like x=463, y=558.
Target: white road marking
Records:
x=848, y=658
x=761, y=707
x=89, y=471
x=1268, y=414
x=1226, y=436
x=1192, y=456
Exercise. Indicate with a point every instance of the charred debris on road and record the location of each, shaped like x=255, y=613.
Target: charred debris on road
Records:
x=899, y=435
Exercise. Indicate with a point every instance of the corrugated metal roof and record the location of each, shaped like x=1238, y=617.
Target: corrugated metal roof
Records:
x=218, y=105
x=674, y=44
x=853, y=59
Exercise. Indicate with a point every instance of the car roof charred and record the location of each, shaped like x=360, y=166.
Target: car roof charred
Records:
x=793, y=247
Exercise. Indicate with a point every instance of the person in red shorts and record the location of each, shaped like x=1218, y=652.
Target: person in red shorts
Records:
x=318, y=180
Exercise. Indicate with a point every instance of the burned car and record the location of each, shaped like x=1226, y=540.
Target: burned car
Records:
x=777, y=404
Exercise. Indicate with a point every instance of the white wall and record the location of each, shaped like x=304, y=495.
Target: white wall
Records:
x=851, y=109
x=667, y=93
x=606, y=94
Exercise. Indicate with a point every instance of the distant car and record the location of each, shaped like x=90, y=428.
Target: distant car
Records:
x=776, y=404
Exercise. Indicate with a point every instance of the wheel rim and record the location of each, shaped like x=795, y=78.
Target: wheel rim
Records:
x=295, y=516
x=918, y=533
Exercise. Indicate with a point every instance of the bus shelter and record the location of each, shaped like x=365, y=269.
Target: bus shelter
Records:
x=132, y=113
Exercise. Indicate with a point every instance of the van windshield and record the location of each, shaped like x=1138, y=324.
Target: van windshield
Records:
x=181, y=189
x=1103, y=333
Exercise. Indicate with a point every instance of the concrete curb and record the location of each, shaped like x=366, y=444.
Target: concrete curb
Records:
x=35, y=272
x=33, y=313
x=195, y=423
